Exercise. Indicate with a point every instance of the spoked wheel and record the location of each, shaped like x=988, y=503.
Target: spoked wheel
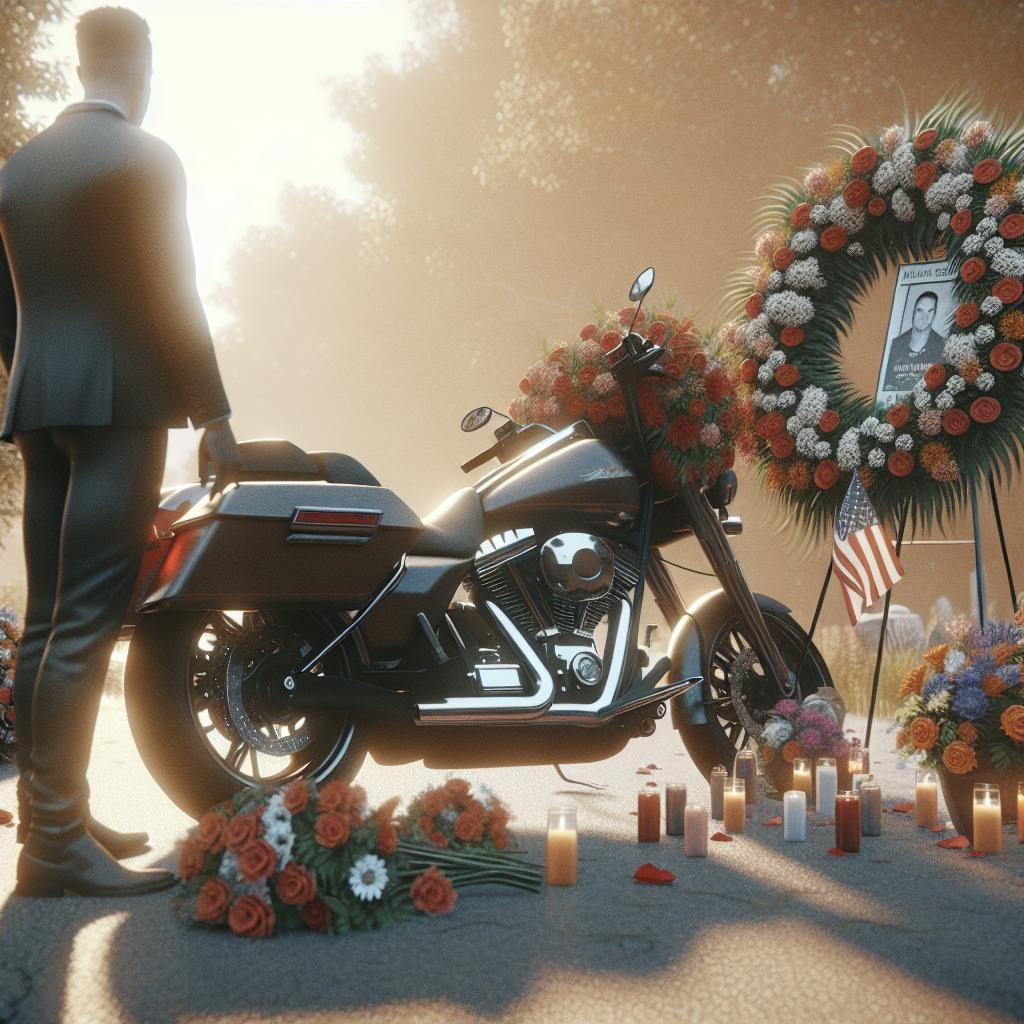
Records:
x=717, y=740
x=203, y=719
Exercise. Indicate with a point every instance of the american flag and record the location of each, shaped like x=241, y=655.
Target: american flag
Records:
x=863, y=554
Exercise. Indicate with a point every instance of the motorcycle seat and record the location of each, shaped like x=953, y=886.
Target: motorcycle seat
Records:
x=278, y=459
x=454, y=529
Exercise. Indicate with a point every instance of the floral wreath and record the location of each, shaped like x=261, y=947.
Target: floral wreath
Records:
x=954, y=183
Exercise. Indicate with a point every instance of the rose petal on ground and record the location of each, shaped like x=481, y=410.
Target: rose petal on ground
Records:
x=904, y=808
x=773, y=821
x=954, y=843
x=938, y=828
x=643, y=771
x=836, y=852
x=651, y=874
x=654, y=768
x=721, y=837
x=654, y=784
x=6, y=817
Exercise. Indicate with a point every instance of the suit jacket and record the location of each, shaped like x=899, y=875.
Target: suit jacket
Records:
x=905, y=368
x=100, y=319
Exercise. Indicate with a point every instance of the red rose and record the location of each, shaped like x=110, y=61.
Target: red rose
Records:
x=826, y=475
x=898, y=414
x=728, y=458
x=699, y=362
x=296, y=796
x=973, y=269
x=857, y=193
x=575, y=405
x=754, y=305
x=588, y=332
x=864, y=160
x=985, y=409
x=597, y=412
x=967, y=313
x=251, y=918
x=653, y=416
x=833, y=238
x=587, y=375
x=877, y=206
x=801, y=216
x=727, y=421
x=5, y=694
x=1012, y=226
x=961, y=221
x=331, y=830
x=684, y=431
x=657, y=332
x=212, y=901
x=559, y=357
x=926, y=138
x=783, y=446
x=935, y=376
x=241, y=830
x=1005, y=356
x=617, y=406
x=673, y=368
x=468, y=828
x=787, y=375
x=986, y=171
x=770, y=425
x=792, y=336
x=748, y=371
x=525, y=386
x=562, y=385
x=828, y=421
x=191, y=860
x=697, y=407
x=210, y=831
x=782, y=258
x=925, y=174
x=432, y=893
x=338, y=795
x=610, y=340
x=955, y=422
x=295, y=885
x=717, y=385
x=1008, y=290
x=316, y=916
x=257, y=860
x=900, y=463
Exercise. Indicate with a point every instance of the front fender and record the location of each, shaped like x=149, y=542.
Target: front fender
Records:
x=687, y=648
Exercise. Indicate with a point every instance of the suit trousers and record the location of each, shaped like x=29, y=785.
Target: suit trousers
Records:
x=90, y=496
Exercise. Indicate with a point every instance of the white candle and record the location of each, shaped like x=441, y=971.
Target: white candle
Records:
x=794, y=816
x=926, y=800
x=695, y=838
x=827, y=783
x=717, y=780
x=561, y=858
x=988, y=820
x=802, y=775
x=870, y=808
x=734, y=817
x=675, y=806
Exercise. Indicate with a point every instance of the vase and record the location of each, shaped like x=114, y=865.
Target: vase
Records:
x=958, y=793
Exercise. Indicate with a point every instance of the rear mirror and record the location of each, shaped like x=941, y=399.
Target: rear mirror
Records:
x=642, y=285
x=476, y=418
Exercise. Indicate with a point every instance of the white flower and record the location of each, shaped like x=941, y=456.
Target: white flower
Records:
x=793, y=426
x=876, y=458
x=955, y=660
x=764, y=374
x=813, y=403
x=774, y=282
x=905, y=443
x=959, y=348
x=942, y=194
x=985, y=333
x=965, y=182
x=855, y=249
x=804, y=241
x=955, y=384
x=993, y=245
x=922, y=400
x=885, y=432
x=805, y=274
x=449, y=814
x=972, y=244
x=757, y=327
x=282, y=842
x=819, y=215
x=985, y=382
x=1008, y=263
x=841, y=214
x=368, y=877
x=757, y=398
x=962, y=202
x=869, y=426
x=943, y=222
x=228, y=869
x=776, y=359
x=945, y=400
x=1018, y=192
x=884, y=180
x=789, y=309
x=770, y=402
x=710, y=435
x=902, y=206
x=991, y=305
x=939, y=702
x=806, y=440
x=996, y=206
x=904, y=163
x=848, y=450
x=822, y=450
x=787, y=399
x=987, y=227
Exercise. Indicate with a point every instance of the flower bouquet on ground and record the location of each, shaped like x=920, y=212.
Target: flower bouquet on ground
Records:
x=319, y=857
x=10, y=636
x=691, y=416
x=793, y=730
x=962, y=711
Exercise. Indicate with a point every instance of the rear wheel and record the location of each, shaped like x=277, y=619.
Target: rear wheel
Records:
x=201, y=720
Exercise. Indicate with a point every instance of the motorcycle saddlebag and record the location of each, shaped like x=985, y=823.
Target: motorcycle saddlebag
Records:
x=283, y=544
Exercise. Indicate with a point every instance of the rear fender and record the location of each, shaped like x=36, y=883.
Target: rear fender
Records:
x=688, y=646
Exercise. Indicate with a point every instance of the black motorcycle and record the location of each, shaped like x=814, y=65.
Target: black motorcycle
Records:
x=307, y=615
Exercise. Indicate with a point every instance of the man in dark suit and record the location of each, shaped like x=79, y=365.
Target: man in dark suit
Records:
x=917, y=348
x=104, y=340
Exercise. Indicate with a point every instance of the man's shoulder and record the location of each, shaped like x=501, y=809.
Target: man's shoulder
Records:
x=153, y=153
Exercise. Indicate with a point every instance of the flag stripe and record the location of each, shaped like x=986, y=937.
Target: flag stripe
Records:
x=854, y=567
x=871, y=535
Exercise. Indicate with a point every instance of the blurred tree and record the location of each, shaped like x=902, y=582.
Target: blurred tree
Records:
x=22, y=76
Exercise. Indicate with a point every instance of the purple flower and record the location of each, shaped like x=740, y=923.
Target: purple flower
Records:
x=811, y=739
x=1010, y=674
x=996, y=633
x=818, y=720
x=970, y=702
x=985, y=664
x=786, y=708
x=939, y=683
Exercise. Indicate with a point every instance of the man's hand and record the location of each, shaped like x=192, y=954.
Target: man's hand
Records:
x=218, y=456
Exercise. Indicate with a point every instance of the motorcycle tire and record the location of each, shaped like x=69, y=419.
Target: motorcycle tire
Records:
x=176, y=677
x=717, y=740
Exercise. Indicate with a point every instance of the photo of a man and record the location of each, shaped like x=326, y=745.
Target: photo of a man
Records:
x=913, y=351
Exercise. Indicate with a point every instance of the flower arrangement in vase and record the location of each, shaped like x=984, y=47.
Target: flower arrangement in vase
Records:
x=793, y=730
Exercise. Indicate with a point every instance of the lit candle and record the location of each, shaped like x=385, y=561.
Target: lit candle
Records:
x=745, y=768
x=794, y=816
x=802, y=775
x=735, y=810
x=926, y=797
x=561, y=858
x=718, y=777
x=648, y=815
x=988, y=819
x=827, y=782
x=675, y=808
x=695, y=839
x=1020, y=812
x=870, y=808
x=856, y=762
x=848, y=821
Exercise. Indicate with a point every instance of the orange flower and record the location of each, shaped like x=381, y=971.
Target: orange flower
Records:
x=212, y=901
x=191, y=862
x=936, y=656
x=767, y=754
x=902, y=738
x=432, y=893
x=935, y=376
x=251, y=917
x=898, y=414
x=331, y=829
x=856, y=194
x=900, y=463
x=971, y=369
x=828, y=421
x=787, y=375
x=833, y=238
x=801, y=216
x=241, y=830
x=1012, y=324
x=973, y=269
x=986, y=171
x=913, y=681
x=1012, y=226
x=782, y=258
x=295, y=885
x=1011, y=721
x=967, y=732
x=955, y=422
x=296, y=796
x=877, y=206
x=925, y=174
x=959, y=758
x=993, y=685
x=864, y=160
x=985, y=409
x=434, y=801
x=961, y=222
x=1004, y=653
x=1005, y=357
x=257, y=860
x=775, y=476
x=827, y=474
x=967, y=313
x=791, y=750
x=926, y=138
x=792, y=336
x=209, y=831
x=468, y=828
x=923, y=733
x=458, y=789
x=799, y=476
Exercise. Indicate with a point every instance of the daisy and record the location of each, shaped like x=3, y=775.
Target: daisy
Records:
x=368, y=877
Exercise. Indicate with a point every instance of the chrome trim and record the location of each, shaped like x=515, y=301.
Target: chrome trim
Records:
x=496, y=710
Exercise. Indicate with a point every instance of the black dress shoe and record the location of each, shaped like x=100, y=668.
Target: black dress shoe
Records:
x=118, y=844
x=82, y=867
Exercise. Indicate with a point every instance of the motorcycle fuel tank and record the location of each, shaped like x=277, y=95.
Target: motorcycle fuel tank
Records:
x=583, y=481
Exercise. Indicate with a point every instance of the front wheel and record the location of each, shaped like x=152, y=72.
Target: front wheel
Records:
x=714, y=734
x=198, y=715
